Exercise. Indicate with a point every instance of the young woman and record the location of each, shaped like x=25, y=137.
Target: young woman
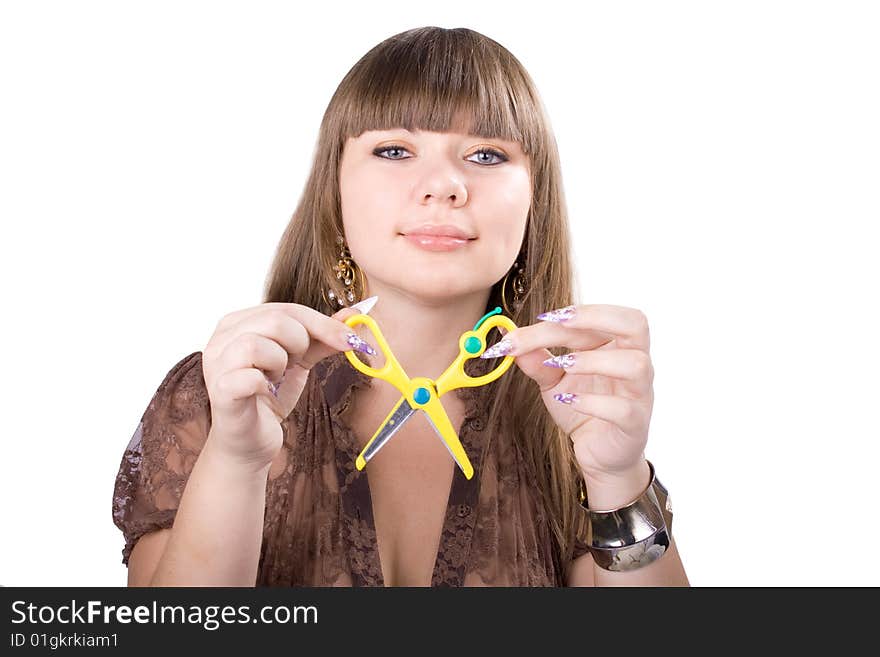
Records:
x=436, y=188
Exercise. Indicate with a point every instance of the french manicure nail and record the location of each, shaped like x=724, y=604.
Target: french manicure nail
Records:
x=366, y=305
x=558, y=315
x=355, y=342
x=564, y=361
x=565, y=397
x=502, y=348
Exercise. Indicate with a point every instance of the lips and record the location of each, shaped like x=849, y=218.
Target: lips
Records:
x=445, y=230
x=437, y=242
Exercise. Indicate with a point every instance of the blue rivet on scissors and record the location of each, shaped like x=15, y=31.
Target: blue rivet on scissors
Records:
x=472, y=345
x=497, y=311
x=421, y=395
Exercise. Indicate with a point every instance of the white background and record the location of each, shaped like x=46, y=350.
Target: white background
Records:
x=721, y=165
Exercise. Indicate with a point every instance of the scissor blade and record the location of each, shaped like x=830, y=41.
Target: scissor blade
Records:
x=465, y=464
x=396, y=418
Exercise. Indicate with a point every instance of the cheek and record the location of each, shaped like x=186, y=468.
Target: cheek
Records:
x=497, y=248
x=505, y=223
x=366, y=212
x=516, y=194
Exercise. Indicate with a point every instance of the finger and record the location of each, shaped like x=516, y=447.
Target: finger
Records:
x=625, y=413
x=306, y=335
x=628, y=325
x=258, y=352
x=242, y=383
x=320, y=350
x=308, y=317
x=546, y=334
x=632, y=367
x=531, y=365
x=234, y=317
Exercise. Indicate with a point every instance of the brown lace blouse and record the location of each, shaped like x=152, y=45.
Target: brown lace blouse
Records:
x=318, y=528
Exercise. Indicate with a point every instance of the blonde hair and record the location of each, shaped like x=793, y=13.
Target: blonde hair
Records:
x=430, y=78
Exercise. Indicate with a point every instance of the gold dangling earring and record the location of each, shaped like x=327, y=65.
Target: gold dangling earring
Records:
x=519, y=287
x=346, y=270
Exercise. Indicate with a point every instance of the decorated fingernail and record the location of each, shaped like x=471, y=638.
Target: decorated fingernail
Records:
x=565, y=397
x=502, y=348
x=273, y=387
x=563, y=362
x=558, y=315
x=355, y=342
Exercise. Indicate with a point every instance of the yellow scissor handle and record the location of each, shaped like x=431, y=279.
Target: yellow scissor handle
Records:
x=470, y=345
x=391, y=371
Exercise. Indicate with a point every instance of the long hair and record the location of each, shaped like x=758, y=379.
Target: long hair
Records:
x=428, y=79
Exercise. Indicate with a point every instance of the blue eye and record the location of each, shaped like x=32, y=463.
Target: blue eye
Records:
x=489, y=151
x=389, y=148
x=483, y=151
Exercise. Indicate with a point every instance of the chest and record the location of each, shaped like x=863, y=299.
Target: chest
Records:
x=410, y=480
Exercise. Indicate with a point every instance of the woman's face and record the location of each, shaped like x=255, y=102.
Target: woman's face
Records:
x=394, y=181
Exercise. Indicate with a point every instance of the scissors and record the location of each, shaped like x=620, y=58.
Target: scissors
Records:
x=422, y=393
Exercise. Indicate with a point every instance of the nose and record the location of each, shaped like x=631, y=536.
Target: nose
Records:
x=442, y=187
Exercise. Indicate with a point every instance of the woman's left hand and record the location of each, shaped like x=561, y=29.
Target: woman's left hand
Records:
x=604, y=396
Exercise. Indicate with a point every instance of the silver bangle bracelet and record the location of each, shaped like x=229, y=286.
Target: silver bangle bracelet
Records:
x=634, y=535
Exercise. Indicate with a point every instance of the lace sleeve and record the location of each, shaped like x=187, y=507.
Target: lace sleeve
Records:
x=156, y=464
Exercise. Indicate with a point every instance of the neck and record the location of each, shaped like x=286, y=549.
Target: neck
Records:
x=422, y=333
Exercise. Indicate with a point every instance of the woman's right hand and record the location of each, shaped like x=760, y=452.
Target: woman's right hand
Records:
x=251, y=348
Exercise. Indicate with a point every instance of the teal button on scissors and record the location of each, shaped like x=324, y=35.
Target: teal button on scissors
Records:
x=422, y=393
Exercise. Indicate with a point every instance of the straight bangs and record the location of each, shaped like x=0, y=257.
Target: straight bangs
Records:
x=450, y=81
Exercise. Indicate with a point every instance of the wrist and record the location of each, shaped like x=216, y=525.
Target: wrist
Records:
x=606, y=492
x=233, y=469
x=627, y=530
